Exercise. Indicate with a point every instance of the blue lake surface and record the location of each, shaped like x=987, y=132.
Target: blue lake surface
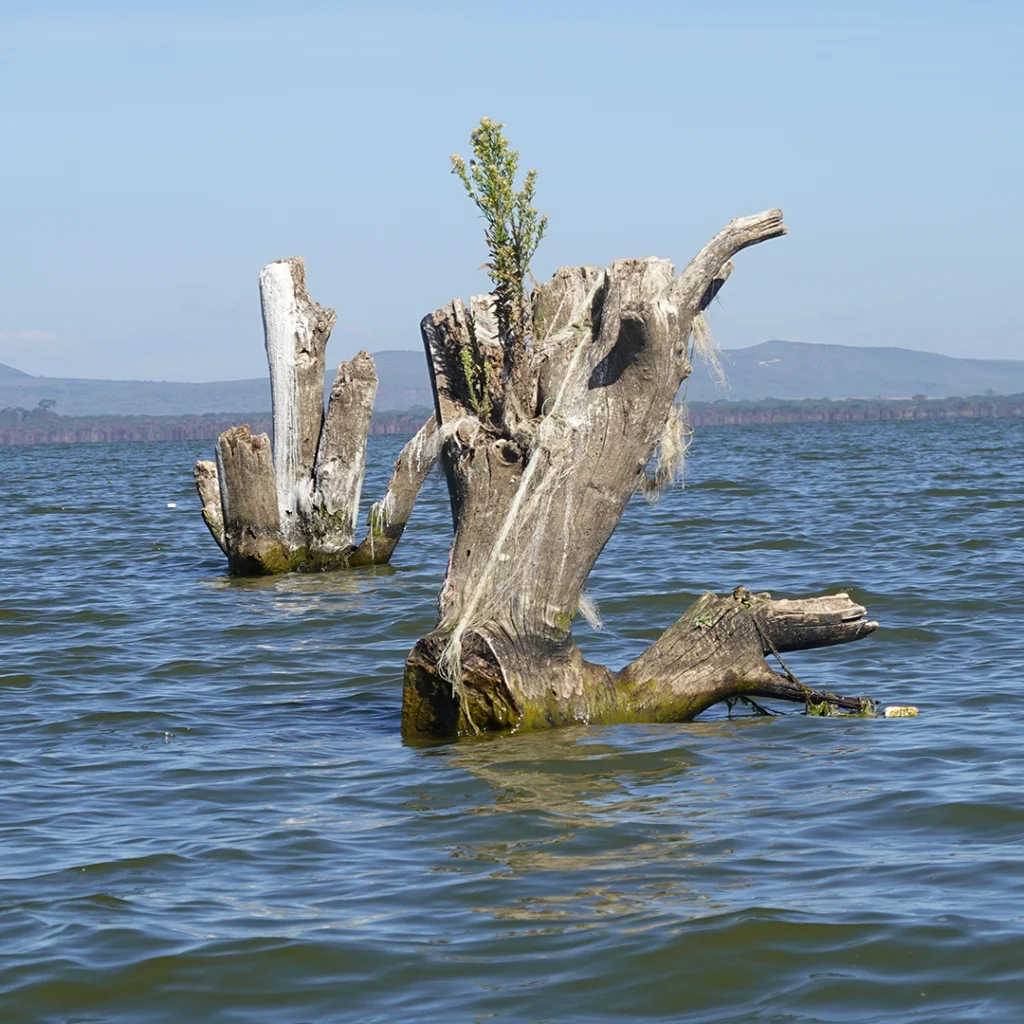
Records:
x=207, y=812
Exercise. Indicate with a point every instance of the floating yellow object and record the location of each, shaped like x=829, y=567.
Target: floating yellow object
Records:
x=900, y=711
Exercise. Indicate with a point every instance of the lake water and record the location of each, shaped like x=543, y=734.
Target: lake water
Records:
x=207, y=812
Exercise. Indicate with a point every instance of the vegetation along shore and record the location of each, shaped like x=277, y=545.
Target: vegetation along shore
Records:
x=44, y=426
x=41, y=426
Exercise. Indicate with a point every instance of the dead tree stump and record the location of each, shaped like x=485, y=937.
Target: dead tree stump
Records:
x=296, y=507
x=541, y=457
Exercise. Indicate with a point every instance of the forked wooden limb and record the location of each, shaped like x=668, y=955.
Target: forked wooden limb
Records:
x=298, y=510
x=537, y=487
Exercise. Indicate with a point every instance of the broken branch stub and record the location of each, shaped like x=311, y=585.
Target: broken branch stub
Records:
x=296, y=330
x=208, y=486
x=538, y=479
x=252, y=525
x=298, y=509
x=389, y=516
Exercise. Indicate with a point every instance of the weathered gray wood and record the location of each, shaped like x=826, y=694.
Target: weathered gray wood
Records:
x=389, y=516
x=446, y=334
x=248, y=498
x=814, y=622
x=208, y=486
x=296, y=330
x=341, y=459
x=307, y=519
x=537, y=489
x=557, y=307
x=488, y=354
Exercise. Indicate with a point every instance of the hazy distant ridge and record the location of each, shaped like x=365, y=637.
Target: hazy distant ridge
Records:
x=789, y=369
x=776, y=369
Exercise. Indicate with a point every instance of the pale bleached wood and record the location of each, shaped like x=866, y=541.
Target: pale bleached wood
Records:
x=488, y=352
x=690, y=287
x=296, y=330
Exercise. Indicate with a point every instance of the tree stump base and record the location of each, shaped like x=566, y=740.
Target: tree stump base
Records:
x=542, y=453
x=295, y=509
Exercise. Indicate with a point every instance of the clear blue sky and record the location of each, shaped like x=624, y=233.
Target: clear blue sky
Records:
x=157, y=154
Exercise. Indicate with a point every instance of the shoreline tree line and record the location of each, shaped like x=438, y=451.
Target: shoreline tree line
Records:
x=47, y=426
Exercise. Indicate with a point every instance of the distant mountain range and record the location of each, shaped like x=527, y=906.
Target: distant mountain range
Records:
x=773, y=369
x=790, y=369
x=404, y=384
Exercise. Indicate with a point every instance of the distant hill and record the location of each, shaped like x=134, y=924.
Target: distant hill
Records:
x=404, y=384
x=404, y=381
x=134, y=397
x=773, y=369
x=790, y=369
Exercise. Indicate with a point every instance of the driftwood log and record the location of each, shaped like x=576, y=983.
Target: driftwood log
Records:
x=541, y=456
x=295, y=506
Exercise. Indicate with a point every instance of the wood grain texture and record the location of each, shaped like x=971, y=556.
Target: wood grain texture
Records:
x=538, y=486
x=296, y=331
x=390, y=515
x=208, y=485
x=297, y=509
x=248, y=498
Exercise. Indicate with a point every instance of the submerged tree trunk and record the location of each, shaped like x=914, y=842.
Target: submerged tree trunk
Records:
x=540, y=467
x=297, y=508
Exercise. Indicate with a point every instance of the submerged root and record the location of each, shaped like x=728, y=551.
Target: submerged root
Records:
x=829, y=705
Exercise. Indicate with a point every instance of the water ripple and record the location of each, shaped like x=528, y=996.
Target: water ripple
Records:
x=208, y=812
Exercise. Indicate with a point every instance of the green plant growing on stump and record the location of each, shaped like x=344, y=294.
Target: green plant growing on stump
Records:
x=513, y=232
x=479, y=385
